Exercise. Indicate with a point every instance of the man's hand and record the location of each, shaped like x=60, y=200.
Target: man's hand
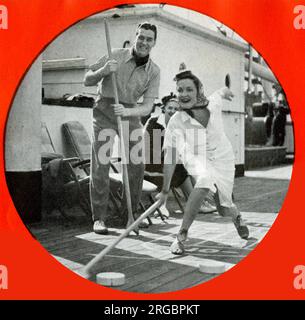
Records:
x=226, y=93
x=92, y=78
x=120, y=110
x=110, y=67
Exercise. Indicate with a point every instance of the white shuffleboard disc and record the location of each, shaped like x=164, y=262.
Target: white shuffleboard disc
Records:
x=110, y=279
x=211, y=266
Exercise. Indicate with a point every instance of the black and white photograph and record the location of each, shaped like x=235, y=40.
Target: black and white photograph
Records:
x=149, y=148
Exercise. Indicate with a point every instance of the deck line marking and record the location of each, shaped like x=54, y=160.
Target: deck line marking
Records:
x=161, y=253
x=67, y=262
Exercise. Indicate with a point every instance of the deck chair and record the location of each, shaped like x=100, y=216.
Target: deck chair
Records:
x=61, y=185
x=47, y=147
x=79, y=144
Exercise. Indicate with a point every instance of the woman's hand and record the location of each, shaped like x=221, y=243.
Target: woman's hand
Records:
x=120, y=110
x=226, y=93
x=162, y=196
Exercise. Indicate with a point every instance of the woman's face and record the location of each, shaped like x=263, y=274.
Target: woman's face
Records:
x=171, y=107
x=187, y=93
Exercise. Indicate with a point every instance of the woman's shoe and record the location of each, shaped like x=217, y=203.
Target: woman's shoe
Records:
x=177, y=247
x=241, y=227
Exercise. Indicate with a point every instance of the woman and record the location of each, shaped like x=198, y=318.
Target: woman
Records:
x=195, y=135
x=155, y=129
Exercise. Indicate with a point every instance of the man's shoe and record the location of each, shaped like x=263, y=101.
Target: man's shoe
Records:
x=99, y=227
x=241, y=227
x=206, y=207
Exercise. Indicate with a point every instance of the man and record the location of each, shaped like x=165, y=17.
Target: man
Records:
x=279, y=124
x=136, y=76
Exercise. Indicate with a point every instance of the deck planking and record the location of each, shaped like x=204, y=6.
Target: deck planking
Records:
x=146, y=261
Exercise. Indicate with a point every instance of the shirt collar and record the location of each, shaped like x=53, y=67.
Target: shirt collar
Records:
x=129, y=56
x=185, y=117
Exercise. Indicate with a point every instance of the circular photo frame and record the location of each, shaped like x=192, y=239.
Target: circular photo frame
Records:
x=95, y=105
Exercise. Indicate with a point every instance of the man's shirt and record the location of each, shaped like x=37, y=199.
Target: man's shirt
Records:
x=132, y=82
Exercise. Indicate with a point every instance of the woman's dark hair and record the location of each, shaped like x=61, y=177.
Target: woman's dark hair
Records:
x=166, y=99
x=187, y=74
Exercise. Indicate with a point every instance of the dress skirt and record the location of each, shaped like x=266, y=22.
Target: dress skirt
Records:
x=216, y=172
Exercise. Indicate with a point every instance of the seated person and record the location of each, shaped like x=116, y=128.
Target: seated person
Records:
x=154, y=131
x=279, y=124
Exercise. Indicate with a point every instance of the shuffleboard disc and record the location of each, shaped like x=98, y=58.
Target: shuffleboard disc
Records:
x=110, y=279
x=211, y=266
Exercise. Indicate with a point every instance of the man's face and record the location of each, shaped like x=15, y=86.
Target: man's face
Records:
x=144, y=42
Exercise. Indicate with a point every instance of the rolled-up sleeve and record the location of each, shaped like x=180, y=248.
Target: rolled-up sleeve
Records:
x=99, y=63
x=170, y=137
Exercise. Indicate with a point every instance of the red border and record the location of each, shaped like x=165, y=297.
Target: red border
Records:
x=267, y=273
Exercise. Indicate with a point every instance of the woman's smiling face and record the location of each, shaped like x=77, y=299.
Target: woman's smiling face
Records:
x=171, y=107
x=187, y=93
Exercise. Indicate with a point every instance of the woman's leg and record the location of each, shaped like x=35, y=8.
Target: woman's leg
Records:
x=233, y=212
x=191, y=209
x=223, y=211
x=192, y=206
x=187, y=187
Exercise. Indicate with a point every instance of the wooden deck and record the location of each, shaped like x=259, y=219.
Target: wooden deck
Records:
x=145, y=259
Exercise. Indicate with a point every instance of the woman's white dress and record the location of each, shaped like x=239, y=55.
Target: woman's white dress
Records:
x=206, y=153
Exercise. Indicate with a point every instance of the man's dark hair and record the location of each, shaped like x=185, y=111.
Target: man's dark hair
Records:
x=147, y=26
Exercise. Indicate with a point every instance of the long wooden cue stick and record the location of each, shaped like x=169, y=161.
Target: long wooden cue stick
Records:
x=86, y=272
x=121, y=135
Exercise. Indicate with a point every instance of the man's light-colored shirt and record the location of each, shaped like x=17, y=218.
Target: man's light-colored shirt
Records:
x=132, y=82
